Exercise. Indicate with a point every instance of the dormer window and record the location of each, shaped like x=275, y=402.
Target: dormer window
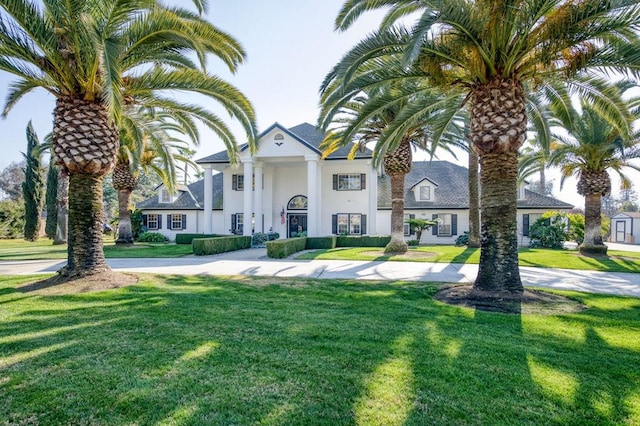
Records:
x=424, y=193
x=166, y=196
x=424, y=190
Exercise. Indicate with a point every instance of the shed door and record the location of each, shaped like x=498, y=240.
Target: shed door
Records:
x=620, y=230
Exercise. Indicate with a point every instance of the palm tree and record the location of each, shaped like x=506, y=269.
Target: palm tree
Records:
x=366, y=118
x=146, y=144
x=96, y=58
x=488, y=51
x=591, y=147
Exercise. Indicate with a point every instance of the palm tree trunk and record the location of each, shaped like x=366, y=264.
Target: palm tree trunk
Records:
x=397, y=243
x=85, y=145
x=474, y=202
x=125, y=233
x=592, y=220
x=86, y=217
x=498, y=269
x=498, y=130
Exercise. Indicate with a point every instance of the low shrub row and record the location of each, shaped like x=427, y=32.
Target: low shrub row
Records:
x=205, y=246
x=188, y=238
x=283, y=248
x=317, y=243
x=363, y=241
x=280, y=249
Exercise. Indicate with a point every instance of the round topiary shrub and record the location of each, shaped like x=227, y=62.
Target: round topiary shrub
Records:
x=152, y=237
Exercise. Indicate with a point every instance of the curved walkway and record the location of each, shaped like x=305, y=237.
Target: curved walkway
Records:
x=255, y=262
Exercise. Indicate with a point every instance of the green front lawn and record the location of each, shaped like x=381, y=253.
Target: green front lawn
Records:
x=617, y=261
x=203, y=350
x=44, y=249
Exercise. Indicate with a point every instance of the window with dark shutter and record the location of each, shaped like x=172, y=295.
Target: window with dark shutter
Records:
x=169, y=224
x=454, y=224
x=184, y=221
x=363, y=181
x=334, y=223
x=159, y=221
x=525, y=225
x=233, y=223
x=434, y=228
x=363, y=224
x=335, y=182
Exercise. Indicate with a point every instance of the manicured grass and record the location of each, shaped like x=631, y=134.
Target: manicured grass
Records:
x=617, y=261
x=44, y=249
x=204, y=350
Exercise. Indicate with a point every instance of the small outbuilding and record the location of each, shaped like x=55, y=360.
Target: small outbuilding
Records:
x=625, y=228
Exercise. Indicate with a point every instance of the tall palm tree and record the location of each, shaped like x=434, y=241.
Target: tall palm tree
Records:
x=147, y=144
x=489, y=50
x=366, y=118
x=591, y=147
x=96, y=58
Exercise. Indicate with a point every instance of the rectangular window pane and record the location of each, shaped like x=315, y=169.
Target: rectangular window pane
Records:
x=343, y=224
x=152, y=221
x=425, y=193
x=349, y=182
x=444, y=225
x=355, y=220
x=240, y=182
x=176, y=221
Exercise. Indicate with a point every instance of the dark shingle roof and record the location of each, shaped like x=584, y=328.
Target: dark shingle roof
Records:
x=535, y=200
x=451, y=189
x=305, y=133
x=191, y=199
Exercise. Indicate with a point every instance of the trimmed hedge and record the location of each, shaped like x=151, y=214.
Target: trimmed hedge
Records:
x=188, y=238
x=363, y=241
x=205, y=246
x=280, y=249
x=316, y=243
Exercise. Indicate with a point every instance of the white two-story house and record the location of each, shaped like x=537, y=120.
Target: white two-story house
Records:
x=288, y=188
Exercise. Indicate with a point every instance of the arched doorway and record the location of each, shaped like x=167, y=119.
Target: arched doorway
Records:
x=297, y=216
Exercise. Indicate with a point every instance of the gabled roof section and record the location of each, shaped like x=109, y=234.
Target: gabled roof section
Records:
x=191, y=197
x=424, y=180
x=451, y=186
x=634, y=215
x=305, y=133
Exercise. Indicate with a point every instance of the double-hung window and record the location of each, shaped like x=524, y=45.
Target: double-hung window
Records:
x=349, y=224
x=153, y=222
x=349, y=181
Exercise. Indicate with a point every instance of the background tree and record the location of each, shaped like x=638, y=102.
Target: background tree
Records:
x=11, y=179
x=592, y=146
x=51, y=195
x=11, y=218
x=33, y=186
x=489, y=51
x=95, y=58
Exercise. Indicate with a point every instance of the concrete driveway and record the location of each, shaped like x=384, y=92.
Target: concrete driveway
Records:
x=254, y=262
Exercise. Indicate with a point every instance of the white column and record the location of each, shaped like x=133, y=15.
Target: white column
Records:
x=248, y=196
x=372, y=219
x=257, y=197
x=208, y=199
x=312, y=195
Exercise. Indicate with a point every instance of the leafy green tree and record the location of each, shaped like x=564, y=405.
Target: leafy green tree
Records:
x=11, y=179
x=488, y=52
x=97, y=58
x=33, y=186
x=11, y=218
